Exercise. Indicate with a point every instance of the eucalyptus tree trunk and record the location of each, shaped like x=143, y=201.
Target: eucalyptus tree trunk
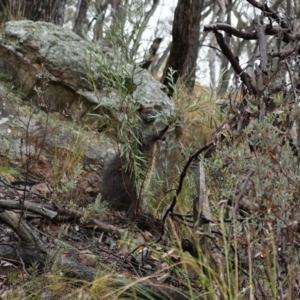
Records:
x=81, y=18
x=212, y=53
x=117, y=15
x=185, y=44
x=47, y=10
x=225, y=70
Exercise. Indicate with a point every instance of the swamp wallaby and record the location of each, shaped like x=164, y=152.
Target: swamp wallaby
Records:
x=119, y=185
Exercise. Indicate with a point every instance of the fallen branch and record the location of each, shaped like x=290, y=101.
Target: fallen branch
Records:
x=29, y=249
x=72, y=214
x=28, y=206
x=58, y=213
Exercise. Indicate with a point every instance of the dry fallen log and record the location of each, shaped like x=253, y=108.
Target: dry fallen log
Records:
x=57, y=213
x=72, y=214
x=28, y=206
x=29, y=249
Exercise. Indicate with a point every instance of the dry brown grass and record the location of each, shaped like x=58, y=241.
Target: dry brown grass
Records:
x=201, y=114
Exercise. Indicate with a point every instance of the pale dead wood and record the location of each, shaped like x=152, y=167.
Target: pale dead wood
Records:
x=30, y=248
x=201, y=208
x=59, y=213
x=28, y=206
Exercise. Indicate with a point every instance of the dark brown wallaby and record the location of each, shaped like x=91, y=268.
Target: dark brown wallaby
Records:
x=119, y=185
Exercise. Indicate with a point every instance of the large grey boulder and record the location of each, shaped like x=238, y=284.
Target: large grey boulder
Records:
x=55, y=91
x=75, y=70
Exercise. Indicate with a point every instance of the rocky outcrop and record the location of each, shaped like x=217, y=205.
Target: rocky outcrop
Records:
x=75, y=70
x=60, y=96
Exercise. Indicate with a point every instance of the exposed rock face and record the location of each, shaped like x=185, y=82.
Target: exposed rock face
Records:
x=75, y=70
x=50, y=82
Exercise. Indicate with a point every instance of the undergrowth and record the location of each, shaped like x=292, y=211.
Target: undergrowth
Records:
x=253, y=189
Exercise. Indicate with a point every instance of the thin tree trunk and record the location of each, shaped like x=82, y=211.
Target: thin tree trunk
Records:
x=47, y=10
x=212, y=53
x=225, y=68
x=155, y=67
x=185, y=44
x=212, y=62
x=81, y=19
x=137, y=39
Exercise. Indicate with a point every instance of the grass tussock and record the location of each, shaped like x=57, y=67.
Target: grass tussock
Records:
x=200, y=113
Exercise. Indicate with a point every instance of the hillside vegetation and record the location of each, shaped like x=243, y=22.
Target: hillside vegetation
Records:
x=225, y=225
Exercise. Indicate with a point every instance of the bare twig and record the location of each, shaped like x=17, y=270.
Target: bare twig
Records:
x=246, y=35
x=240, y=195
x=180, y=184
x=246, y=79
x=269, y=12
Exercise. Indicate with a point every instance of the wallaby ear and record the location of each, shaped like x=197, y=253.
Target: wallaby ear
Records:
x=140, y=110
x=143, y=108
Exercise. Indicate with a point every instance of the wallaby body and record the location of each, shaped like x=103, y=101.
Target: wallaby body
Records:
x=119, y=185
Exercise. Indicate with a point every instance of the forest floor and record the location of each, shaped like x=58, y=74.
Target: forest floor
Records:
x=77, y=253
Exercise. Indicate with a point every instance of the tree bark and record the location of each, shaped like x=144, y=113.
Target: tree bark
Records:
x=6, y=10
x=81, y=19
x=47, y=10
x=151, y=54
x=156, y=66
x=185, y=44
x=211, y=55
x=224, y=67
